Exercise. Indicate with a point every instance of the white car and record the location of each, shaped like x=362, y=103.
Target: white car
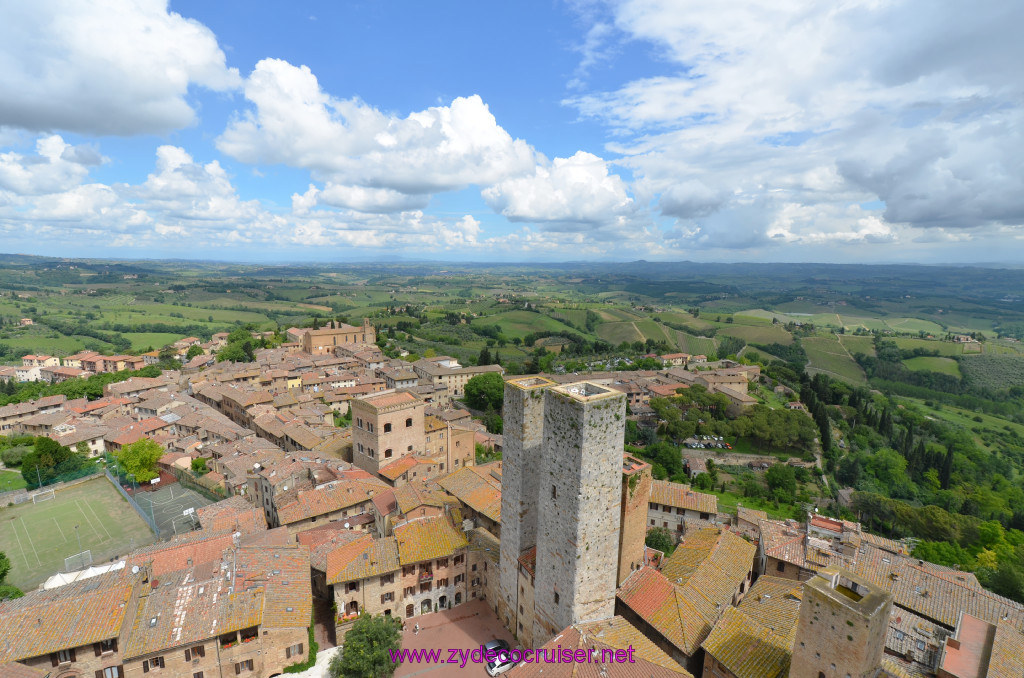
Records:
x=501, y=664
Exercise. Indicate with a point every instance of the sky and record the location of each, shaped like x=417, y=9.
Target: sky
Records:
x=536, y=130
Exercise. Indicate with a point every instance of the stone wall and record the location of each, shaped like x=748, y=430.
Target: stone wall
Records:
x=523, y=415
x=636, y=495
x=580, y=488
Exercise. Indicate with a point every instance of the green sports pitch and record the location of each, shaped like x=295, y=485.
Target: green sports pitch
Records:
x=37, y=537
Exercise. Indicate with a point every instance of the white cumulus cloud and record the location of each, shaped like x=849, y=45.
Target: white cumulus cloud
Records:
x=117, y=67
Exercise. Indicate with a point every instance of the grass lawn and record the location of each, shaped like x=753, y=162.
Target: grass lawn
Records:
x=142, y=340
x=933, y=364
x=11, y=480
x=728, y=501
x=38, y=537
x=618, y=332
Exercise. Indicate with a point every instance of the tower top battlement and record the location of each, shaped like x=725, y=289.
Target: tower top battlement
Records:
x=585, y=391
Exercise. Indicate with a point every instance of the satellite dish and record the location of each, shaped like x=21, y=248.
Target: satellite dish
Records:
x=347, y=525
x=135, y=569
x=256, y=466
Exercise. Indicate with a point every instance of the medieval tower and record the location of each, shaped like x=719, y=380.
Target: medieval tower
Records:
x=580, y=492
x=842, y=626
x=523, y=415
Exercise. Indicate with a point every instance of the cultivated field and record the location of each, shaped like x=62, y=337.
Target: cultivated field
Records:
x=38, y=537
x=934, y=364
x=827, y=355
x=942, y=347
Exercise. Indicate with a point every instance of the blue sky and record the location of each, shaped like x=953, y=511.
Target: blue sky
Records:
x=875, y=130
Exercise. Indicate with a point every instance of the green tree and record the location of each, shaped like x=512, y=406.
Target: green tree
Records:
x=5, y=566
x=8, y=592
x=199, y=465
x=48, y=460
x=661, y=539
x=485, y=391
x=781, y=479
x=366, y=653
x=193, y=351
x=139, y=459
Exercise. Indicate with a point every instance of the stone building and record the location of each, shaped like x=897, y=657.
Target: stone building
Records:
x=324, y=340
x=636, y=494
x=842, y=626
x=385, y=427
x=672, y=503
x=580, y=502
x=523, y=415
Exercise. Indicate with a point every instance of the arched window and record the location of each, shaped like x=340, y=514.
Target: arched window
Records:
x=387, y=428
x=408, y=422
x=409, y=610
x=387, y=453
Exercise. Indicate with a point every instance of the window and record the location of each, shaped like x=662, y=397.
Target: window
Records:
x=408, y=570
x=353, y=586
x=442, y=562
x=409, y=610
x=664, y=523
x=554, y=492
x=387, y=428
x=410, y=590
x=152, y=663
x=361, y=448
x=197, y=674
x=65, y=656
x=781, y=567
x=556, y=598
x=194, y=653
x=105, y=646
x=409, y=449
x=408, y=422
x=704, y=516
x=457, y=560
x=387, y=597
x=243, y=666
x=442, y=582
x=293, y=651
x=111, y=672
x=474, y=567
x=388, y=453
x=359, y=422
x=459, y=579
x=652, y=521
x=387, y=579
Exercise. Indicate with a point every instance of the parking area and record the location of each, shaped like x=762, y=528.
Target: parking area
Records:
x=466, y=627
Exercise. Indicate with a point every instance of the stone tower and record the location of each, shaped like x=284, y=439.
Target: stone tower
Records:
x=523, y=415
x=580, y=491
x=636, y=495
x=842, y=626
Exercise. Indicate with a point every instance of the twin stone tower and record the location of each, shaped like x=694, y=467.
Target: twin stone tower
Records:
x=569, y=492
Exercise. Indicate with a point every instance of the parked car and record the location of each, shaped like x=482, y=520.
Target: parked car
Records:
x=502, y=662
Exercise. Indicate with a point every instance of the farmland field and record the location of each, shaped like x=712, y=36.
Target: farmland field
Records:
x=616, y=333
x=521, y=323
x=934, y=364
x=993, y=371
x=762, y=334
x=946, y=348
x=141, y=340
x=693, y=345
x=827, y=355
x=914, y=325
x=858, y=344
x=652, y=330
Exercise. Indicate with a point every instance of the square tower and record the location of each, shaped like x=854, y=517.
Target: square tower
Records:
x=523, y=431
x=385, y=427
x=636, y=496
x=580, y=488
x=842, y=626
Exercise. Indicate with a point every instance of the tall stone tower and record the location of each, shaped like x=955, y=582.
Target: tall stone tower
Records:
x=842, y=626
x=580, y=489
x=523, y=415
x=636, y=495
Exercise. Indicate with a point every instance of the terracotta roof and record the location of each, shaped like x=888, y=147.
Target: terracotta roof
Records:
x=398, y=467
x=755, y=640
x=175, y=555
x=390, y=399
x=681, y=496
x=235, y=513
x=529, y=561
x=477, y=489
x=362, y=558
x=327, y=499
x=77, y=614
x=649, y=661
x=750, y=515
x=412, y=495
x=696, y=583
x=1007, y=652
x=427, y=539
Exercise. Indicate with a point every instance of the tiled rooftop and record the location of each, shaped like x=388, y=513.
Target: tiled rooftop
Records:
x=476, y=488
x=427, y=539
x=681, y=496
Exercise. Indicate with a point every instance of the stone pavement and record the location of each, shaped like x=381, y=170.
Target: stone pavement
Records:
x=467, y=626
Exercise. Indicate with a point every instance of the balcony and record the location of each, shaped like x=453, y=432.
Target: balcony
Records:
x=426, y=575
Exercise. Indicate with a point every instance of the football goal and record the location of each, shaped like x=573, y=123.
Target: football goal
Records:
x=79, y=561
x=43, y=495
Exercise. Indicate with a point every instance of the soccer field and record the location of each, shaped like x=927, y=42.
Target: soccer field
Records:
x=38, y=537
